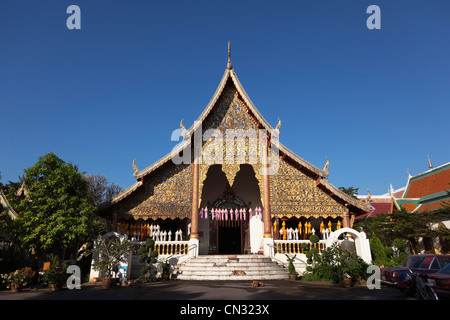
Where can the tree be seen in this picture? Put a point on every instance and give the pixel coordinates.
(59, 214)
(351, 191)
(148, 256)
(406, 225)
(100, 190)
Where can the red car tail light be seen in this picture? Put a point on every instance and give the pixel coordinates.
(443, 283)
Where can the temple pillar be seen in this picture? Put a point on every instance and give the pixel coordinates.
(267, 219)
(114, 219)
(195, 197)
(346, 220)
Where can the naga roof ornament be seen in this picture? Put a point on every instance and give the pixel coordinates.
(135, 168)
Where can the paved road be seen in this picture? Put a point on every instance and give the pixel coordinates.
(212, 290)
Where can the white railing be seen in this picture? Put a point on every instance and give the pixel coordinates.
(295, 246)
(169, 247)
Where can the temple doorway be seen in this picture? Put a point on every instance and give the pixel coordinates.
(228, 236)
(231, 236)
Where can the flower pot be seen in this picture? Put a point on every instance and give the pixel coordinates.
(16, 288)
(165, 277)
(345, 282)
(107, 283)
(56, 286)
(292, 276)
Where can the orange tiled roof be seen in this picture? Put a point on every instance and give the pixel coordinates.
(429, 184)
(431, 206)
(409, 206)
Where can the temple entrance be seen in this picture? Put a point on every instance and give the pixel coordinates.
(228, 235)
(229, 238)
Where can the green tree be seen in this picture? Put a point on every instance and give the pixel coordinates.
(148, 256)
(406, 225)
(351, 191)
(99, 188)
(59, 214)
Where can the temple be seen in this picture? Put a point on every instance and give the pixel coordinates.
(229, 171)
(212, 184)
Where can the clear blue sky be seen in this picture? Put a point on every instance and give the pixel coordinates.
(375, 102)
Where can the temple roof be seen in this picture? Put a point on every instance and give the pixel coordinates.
(426, 191)
(429, 182)
(230, 75)
(6, 206)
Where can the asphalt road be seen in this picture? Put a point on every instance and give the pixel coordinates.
(213, 299)
(212, 290)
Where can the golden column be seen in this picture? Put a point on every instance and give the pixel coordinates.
(195, 194)
(267, 219)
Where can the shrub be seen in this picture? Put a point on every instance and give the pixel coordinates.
(379, 253)
(148, 256)
(336, 263)
(314, 238)
(291, 266)
(19, 277)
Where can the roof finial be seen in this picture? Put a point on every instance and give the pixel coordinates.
(429, 162)
(135, 168)
(325, 168)
(229, 66)
(278, 125)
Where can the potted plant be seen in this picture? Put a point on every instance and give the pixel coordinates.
(16, 280)
(165, 271)
(148, 256)
(291, 267)
(349, 267)
(112, 252)
(56, 274)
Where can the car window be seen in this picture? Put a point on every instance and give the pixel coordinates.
(435, 265)
(445, 270)
(413, 262)
(443, 261)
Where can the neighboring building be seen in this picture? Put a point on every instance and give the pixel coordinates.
(425, 192)
(384, 203)
(6, 207)
(4, 203)
(175, 196)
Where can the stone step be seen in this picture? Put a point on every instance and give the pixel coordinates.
(239, 259)
(232, 267)
(221, 267)
(232, 277)
(229, 263)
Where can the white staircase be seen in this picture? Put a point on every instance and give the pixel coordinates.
(230, 267)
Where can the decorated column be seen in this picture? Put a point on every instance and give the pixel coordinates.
(267, 237)
(195, 188)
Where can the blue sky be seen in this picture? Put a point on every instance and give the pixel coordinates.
(375, 102)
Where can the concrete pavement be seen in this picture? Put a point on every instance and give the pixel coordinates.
(212, 290)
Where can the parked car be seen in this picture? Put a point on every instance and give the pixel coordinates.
(421, 263)
(441, 282)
